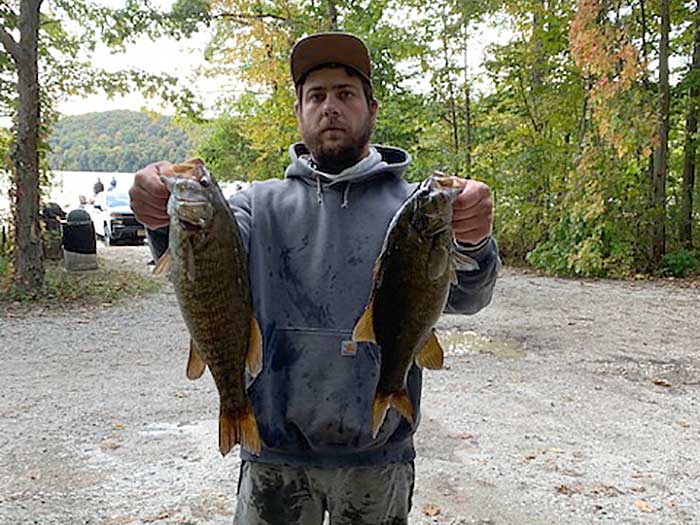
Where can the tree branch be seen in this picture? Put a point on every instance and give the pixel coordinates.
(10, 45)
(243, 17)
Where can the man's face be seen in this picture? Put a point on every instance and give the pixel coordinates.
(335, 119)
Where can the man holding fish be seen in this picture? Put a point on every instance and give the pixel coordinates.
(349, 268)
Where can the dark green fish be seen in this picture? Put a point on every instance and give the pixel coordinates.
(209, 271)
(412, 279)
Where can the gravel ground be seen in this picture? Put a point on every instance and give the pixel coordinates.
(571, 402)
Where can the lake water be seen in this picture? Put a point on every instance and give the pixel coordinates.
(67, 186)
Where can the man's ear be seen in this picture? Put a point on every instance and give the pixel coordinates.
(373, 109)
(297, 108)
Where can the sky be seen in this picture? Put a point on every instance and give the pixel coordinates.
(166, 55)
(182, 58)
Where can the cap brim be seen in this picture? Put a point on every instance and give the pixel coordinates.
(329, 48)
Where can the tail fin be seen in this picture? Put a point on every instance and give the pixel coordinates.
(379, 410)
(401, 402)
(382, 402)
(241, 428)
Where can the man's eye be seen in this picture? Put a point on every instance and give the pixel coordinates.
(316, 97)
(346, 94)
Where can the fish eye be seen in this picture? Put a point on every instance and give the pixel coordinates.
(204, 183)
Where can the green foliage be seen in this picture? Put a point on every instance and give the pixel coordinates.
(681, 263)
(116, 141)
(225, 150)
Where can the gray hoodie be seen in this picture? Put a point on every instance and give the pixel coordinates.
(312, 241)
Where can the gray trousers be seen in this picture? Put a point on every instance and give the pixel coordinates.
(283, 495)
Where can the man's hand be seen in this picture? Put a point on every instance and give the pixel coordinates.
(472, 218)
(149, 196)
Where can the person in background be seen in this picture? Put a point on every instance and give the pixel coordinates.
(112, 183)
(312, 241)
(98, 187)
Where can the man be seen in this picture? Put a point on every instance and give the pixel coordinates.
(98, 187)
(312, 241)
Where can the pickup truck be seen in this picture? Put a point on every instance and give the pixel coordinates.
(113, 219)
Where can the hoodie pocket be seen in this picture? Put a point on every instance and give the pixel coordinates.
(329, 386)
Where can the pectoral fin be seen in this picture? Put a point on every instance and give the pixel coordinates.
(431, 356)
(464, 262)
(195, 363)
(253, 359)
(163, 263)
(439, 262)
(364, 329)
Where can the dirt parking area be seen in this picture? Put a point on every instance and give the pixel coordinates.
(563, 402)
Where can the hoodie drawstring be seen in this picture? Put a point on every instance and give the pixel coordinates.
(345, 195)
(319, 189)
(319, 192)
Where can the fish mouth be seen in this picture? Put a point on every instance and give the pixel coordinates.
(191, 227)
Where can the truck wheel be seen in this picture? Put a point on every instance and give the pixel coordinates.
(107, 237)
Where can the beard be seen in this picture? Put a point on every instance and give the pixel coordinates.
(334, 158)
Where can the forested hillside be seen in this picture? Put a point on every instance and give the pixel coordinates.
(115, 141)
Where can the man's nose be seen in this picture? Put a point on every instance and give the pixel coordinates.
(330, 106)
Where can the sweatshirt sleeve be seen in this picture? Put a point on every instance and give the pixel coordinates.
(240, 203)
(474, 288)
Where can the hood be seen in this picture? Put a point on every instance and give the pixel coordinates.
(390, 161)
(122, 209)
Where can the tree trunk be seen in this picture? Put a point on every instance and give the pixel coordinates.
(450, 89)
(28, 265)
(332, 15)
(467, 107)
(685, 228)
(658, 183)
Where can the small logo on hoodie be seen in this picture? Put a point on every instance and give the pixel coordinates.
(348, 348)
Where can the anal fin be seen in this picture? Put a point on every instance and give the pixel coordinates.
(195, 363)
(431, 356)
(253, 359)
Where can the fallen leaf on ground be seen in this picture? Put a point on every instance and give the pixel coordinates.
(119, 426)
(466, 435)
(108, 444)
(565, 489)
(431, 510)
(661, 382)
(606, 490)
(643, 506)
(161, 516)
